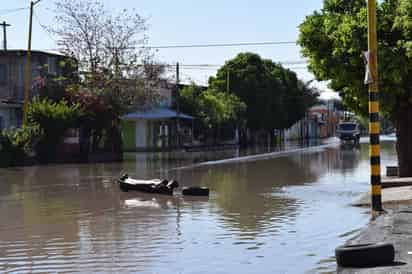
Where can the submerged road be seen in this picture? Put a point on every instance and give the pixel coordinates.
(283, 212)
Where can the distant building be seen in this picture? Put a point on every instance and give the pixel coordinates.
(320, 121)
(12, 77)
(159, 128)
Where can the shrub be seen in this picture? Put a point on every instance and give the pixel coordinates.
(52, 119)
(17, 145)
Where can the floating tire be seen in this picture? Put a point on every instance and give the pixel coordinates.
(365, 255)
(195, 191)
(123, 188)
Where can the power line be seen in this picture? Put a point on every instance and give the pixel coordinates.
(214, 69)
(224, 45)
(9, 11)
(217, 45)
(211, 45)
(13, 9)
(288, 63)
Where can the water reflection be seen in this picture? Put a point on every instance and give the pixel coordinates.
(247, 194)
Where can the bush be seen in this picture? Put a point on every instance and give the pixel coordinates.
(52, 119)
(16, 145)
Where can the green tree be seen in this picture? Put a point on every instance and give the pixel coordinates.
(274, 96)
(212, 108)
(334, 39)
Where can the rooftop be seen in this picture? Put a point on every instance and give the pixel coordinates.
(24, 52)
(155, 114)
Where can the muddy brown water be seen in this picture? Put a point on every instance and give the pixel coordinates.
(285, 214)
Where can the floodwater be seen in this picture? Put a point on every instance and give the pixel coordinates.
(283, 213)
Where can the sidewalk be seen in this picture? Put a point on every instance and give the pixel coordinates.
(393, 227)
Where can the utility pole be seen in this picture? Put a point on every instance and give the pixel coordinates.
(27, 73)
(5, 25)
(372, 80)
(228, 81)
(177, 104)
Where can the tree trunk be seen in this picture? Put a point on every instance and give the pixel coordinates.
(403, 121)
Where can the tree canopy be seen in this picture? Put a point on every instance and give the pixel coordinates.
(274, 96)
(211, 107)
(110, 51)
(334, 40)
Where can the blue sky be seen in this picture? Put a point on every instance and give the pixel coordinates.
(192, 22)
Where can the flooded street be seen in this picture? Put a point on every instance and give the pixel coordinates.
(280, 214)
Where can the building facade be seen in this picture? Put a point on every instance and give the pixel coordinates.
(12, 80)
(159, 128)
(320, 121)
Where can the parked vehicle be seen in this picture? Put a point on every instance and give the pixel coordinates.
(348, 131)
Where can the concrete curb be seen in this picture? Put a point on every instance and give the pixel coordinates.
(393, 195)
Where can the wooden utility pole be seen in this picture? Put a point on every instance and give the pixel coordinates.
(372, 80)
(5, 25)
(177, 104)
(27, 72)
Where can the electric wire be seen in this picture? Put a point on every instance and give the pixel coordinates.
(10, 11)
(223, 45)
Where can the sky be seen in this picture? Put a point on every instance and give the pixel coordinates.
(183, 22)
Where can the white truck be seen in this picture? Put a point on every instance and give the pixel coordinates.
(348, 131)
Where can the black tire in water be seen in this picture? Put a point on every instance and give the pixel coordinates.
(365, 255)
(195, 191)
(124, 189)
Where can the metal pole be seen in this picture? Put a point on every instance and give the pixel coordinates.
(5, 25)
(28, 69)
(374, 126)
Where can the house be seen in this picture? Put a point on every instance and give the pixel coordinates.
(159, 128)
(306, 128)
(12, 79)
(320, 121)
(154, 129)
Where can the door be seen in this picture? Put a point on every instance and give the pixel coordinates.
(141, 134)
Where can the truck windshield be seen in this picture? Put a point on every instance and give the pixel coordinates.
(347, 126)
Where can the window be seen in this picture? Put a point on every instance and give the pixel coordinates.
(3, 74)
(347, 126)
(1, 123)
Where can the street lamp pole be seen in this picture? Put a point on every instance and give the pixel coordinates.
(374, 126)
